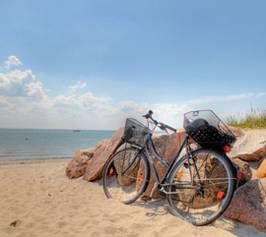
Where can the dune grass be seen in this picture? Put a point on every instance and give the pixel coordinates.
(253, 119)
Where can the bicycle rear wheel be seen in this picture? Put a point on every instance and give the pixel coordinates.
(201, 190)
(126, 175)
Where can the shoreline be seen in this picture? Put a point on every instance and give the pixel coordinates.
(35, 161)
(44, 159)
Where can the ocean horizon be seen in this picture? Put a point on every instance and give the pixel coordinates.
(32, 143)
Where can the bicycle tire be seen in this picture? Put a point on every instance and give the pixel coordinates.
(109, 185)
(225, 201)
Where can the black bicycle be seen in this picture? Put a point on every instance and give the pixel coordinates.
(198, 185)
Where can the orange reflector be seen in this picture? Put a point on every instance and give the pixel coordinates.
(220, 195)
(227, 148)
(111, 171)
(180, 173)
(239, 175)
(140, 177)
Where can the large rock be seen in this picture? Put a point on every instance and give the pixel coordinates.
(258, 155)
(254, 156)
(245, 170)
(102, 152)
(249, 204)
(167, 146)
(261, 171)
(78, 165)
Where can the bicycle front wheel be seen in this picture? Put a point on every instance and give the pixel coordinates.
(126, 175)
(201, 188)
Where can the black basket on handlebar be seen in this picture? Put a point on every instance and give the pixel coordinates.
(135, 132)
(207, 129)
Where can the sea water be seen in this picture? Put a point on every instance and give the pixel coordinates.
(18, 144)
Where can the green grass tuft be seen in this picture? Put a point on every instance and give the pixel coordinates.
(254, 119)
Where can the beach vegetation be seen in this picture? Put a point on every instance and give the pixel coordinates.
(255, 118)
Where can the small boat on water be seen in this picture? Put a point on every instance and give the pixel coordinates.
(76, 130)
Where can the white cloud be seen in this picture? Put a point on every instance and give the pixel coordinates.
(13, 83)
(35, 89)
(84, 101)
(20, 89)
(79, 85)
(12, 61)
(24, 101)
(3, 102)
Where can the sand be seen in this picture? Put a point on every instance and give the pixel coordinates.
(45, 203)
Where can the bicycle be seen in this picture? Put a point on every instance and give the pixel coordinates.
(198, 186)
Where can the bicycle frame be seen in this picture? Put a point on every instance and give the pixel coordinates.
(168, 165)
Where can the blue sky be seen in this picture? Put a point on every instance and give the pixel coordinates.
(127, 56)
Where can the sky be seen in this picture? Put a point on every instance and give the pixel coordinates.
(90, 64)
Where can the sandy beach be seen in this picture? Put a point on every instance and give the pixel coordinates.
(39, 200)
(150, 96)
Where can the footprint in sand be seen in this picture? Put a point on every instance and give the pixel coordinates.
(15, 223)
(150, 214)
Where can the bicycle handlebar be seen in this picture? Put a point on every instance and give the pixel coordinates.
(162, 126)
(165, 126)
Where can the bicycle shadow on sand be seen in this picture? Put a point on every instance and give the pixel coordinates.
(154, 207)
(159, 207)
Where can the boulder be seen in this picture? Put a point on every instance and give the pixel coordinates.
(167, 146)
(258, 155)
(245, 170)
(254, 156)
(249, 204)
(77, 166)
(261, 171)
(102, 152)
